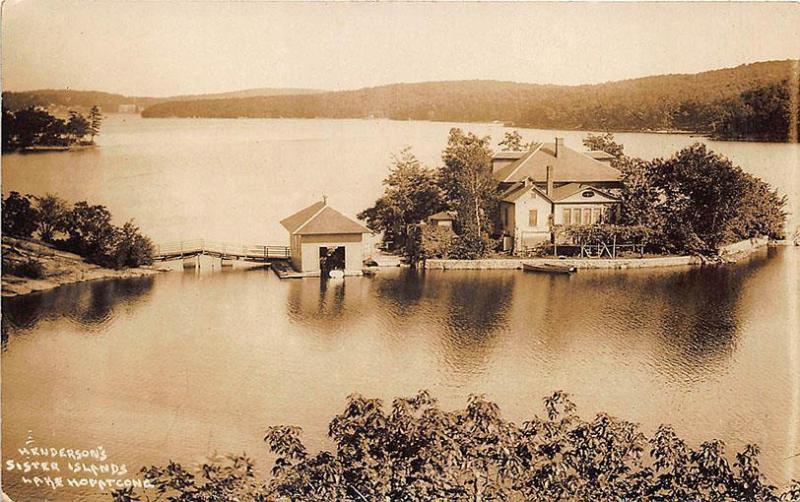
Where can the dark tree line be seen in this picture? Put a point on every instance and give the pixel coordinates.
(80, 228)
(413, 450)
(36, 127)
(705, 102)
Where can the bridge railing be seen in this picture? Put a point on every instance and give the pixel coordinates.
(202, 246)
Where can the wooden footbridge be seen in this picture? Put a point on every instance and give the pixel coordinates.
(226, 251)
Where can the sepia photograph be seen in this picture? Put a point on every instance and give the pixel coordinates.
(344, 251)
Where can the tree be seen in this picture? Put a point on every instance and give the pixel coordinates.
(512, 141)
(95, 121)
(706, 201)
(605, 143)
(77, 126)
(8, 130)
(413, 450)
(466, 179)
(91, 233)
(20, 217)
(132, 248)
(410, 195)
(53, 213)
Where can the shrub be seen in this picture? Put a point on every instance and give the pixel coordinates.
(28, 268)
(20, 217)
(416, 451)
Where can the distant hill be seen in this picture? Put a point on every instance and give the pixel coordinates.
(57, 99)
(666, 102)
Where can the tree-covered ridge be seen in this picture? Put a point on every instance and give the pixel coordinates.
(67, 98)
(699, 102)
(413, 450)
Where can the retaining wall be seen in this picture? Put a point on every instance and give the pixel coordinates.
(733, 251)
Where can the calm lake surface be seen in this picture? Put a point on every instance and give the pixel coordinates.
(187, 363)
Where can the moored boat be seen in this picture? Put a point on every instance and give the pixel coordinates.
(549, 268)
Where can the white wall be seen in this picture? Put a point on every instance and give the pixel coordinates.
(353, 252)
(526, 234)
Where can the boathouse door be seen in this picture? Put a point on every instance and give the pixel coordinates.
(331, 258)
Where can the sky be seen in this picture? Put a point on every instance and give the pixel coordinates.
(162, 48)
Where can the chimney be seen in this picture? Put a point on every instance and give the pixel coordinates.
(550, 179)
(559, 147)
(324, 200)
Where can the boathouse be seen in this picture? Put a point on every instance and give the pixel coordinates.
(323, 238)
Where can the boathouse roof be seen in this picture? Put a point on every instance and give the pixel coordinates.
(568, 166)
(319, 218)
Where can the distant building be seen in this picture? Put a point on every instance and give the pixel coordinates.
(322, 237)
(442, 219)
(552, 184)
(127, 108)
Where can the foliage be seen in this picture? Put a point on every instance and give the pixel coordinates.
(77, 126)
(512, 142)
(88, 228)
(667, 102)
(35, 127)
(703, 196)
(411, 194)
(52, 217)
(132, 248)
(694, 201)
(95, 121)
(430, 241)
(608, 233)
(413, 450)
(606, 143)
(20, 217)
(28, 268)
(762, 113)
(466, 180)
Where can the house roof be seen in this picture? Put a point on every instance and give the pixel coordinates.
(319, 218)
(569, 166)
(508, 155)
(560, 193)
(443, 216)
(518, 190)
(571, 189)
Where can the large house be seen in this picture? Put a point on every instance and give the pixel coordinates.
(552, 184)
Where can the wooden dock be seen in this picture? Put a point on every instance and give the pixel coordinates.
(224, 250)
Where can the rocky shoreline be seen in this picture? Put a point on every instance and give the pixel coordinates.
(58, 267)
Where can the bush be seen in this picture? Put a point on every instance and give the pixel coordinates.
(28, 268)
(416, 451)
(20, 217)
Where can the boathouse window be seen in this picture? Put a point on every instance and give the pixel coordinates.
(576, 216)
(533, 218)
(567, 219)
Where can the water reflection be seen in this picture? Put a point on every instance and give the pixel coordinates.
(92, 305)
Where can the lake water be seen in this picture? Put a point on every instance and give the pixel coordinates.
(186, 363)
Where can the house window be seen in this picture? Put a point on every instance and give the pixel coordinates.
(596, 215)
(587, 216)
(567, 219)
(533, 218)
(504, 216)
(576, 216)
